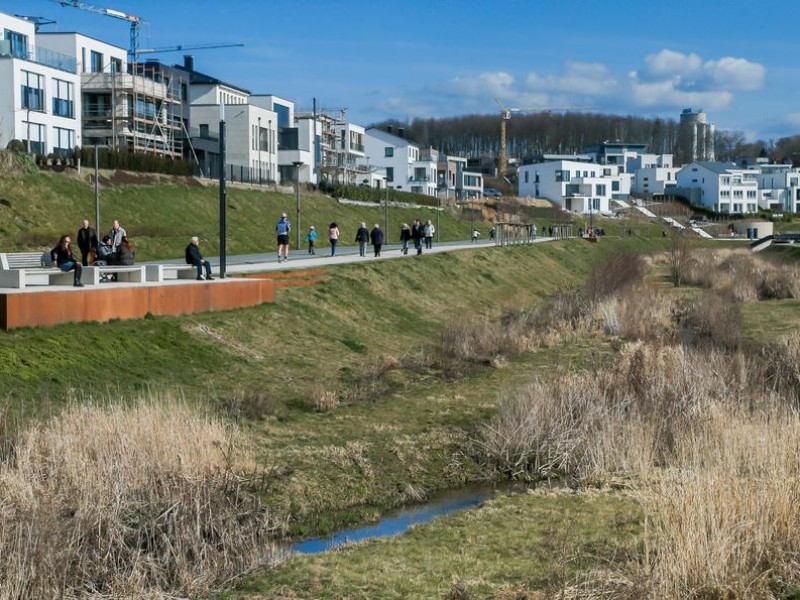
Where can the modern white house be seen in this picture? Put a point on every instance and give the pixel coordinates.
(778, 187)
(576, 186)
(40, 102)
(652, 174)
(402, 161)
(722, 187)
(455, 182)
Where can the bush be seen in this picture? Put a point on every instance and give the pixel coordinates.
(616, 273)
(16, 146)
(135, 161)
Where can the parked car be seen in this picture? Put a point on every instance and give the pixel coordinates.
(491, 193)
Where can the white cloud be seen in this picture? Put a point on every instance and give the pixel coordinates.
(587, 79)
(690, 72)
(665, 94)
(489, 85)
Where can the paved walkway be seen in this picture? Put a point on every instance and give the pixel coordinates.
(300, 259)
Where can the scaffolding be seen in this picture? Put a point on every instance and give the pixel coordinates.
(137, 112)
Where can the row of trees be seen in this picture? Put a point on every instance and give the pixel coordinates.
(530, 135)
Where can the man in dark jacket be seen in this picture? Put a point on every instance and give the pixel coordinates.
(417, 233)
(362, 238)
(193, 257)
(87, 241)
(377, 239)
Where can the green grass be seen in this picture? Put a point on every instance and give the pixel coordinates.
(35, 210)
(520, 542)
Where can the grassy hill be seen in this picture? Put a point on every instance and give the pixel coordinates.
(35, 210)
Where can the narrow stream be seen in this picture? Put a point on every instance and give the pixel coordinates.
(399, 521)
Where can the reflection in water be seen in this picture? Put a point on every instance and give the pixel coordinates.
(397, 522)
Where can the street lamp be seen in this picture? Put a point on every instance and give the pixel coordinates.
(386, 209)
(259, 150)
(297, 164)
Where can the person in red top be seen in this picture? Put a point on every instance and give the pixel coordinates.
(64, 259)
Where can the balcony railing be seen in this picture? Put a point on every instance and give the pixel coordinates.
(42, 56)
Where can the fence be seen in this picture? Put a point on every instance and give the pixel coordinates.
(510, 234)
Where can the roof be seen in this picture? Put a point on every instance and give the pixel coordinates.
(389, 138)
(718, 167)
(197, 78)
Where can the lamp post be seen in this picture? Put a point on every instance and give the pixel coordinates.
(386, 208)
(96, 192)
(223, 226)
(28, 141)
(259, 150)
(297, 164)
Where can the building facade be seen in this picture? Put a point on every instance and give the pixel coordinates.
(41, 100)
(722, 187)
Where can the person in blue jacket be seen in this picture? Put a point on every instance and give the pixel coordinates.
(376, 235)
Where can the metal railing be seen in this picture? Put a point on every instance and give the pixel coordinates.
(42, 56)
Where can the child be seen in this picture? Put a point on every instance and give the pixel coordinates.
(475, 234)
(310, 238)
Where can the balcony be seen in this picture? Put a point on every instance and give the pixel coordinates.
(357, 147)
(41, 56)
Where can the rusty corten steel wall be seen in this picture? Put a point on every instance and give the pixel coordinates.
(134, 302)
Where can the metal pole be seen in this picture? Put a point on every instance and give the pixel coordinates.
(438, 212)
(297, 164)
(223, 226)
(96, 193)
(386, 210)
(28, 149)
(259, 150)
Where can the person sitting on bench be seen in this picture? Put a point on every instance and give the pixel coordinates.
(105, 255)
(62, 256)
(193, 257)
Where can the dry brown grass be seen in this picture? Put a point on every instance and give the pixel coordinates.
(135, 501)
(743, 276)
(709, 441)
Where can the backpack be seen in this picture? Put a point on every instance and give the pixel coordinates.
(283, 227)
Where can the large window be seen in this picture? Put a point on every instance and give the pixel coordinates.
(32, 91)
(63, 99)
(36, 136)
(19, 43)
(96, 61)
(389, 173)
(388, 151)
(65, 141)
(116, 65)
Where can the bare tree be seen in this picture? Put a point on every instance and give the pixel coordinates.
(678, 256)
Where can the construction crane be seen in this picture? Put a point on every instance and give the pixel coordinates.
(186, 48)
(505, 116)
(38, 22)
(133, 51)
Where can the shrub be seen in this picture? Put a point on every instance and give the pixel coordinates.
(713, 319)
(616, 273)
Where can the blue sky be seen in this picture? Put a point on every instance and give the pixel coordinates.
(735, 59)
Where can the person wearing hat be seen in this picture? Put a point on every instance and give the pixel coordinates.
(311, 238)
(194, 257)
(282, 229)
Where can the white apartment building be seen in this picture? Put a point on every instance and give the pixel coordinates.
(778, 187)
(652, 174)
(576, 186)
(455, 182)
(40, 103)
(722, 187)
(407, 169)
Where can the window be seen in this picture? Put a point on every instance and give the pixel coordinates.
(116, 65)
(204, 130)
(737, 193)
(751, 194)
(562, 175)
(725, 194)
(37, 137)
(32, 91)
(615, 186)
(526, 176)
(64, 99)
(389, 152)
(600, 189)
(18, 42)
(606, 172)
(96, 61)
(65, 141)
(389, 173)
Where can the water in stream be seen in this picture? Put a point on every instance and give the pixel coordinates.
(399, 521)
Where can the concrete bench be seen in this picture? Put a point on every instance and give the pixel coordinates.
(160, 272)
(20, 269)
(128, 273)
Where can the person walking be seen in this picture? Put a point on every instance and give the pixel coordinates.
(62, 256)
(311, 238)
(194, 257)
(429, 230)
(333, 236)
(377, 239)
(87, 242)
(282, 229)
(405, 237)
(116, 234)
(362, 237)
(475, 235)
(417, 233)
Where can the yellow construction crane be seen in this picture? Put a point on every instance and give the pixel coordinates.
(133, 51)
(505, 116)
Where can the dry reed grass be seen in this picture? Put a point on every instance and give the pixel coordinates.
(708, 439)
(134, 501)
